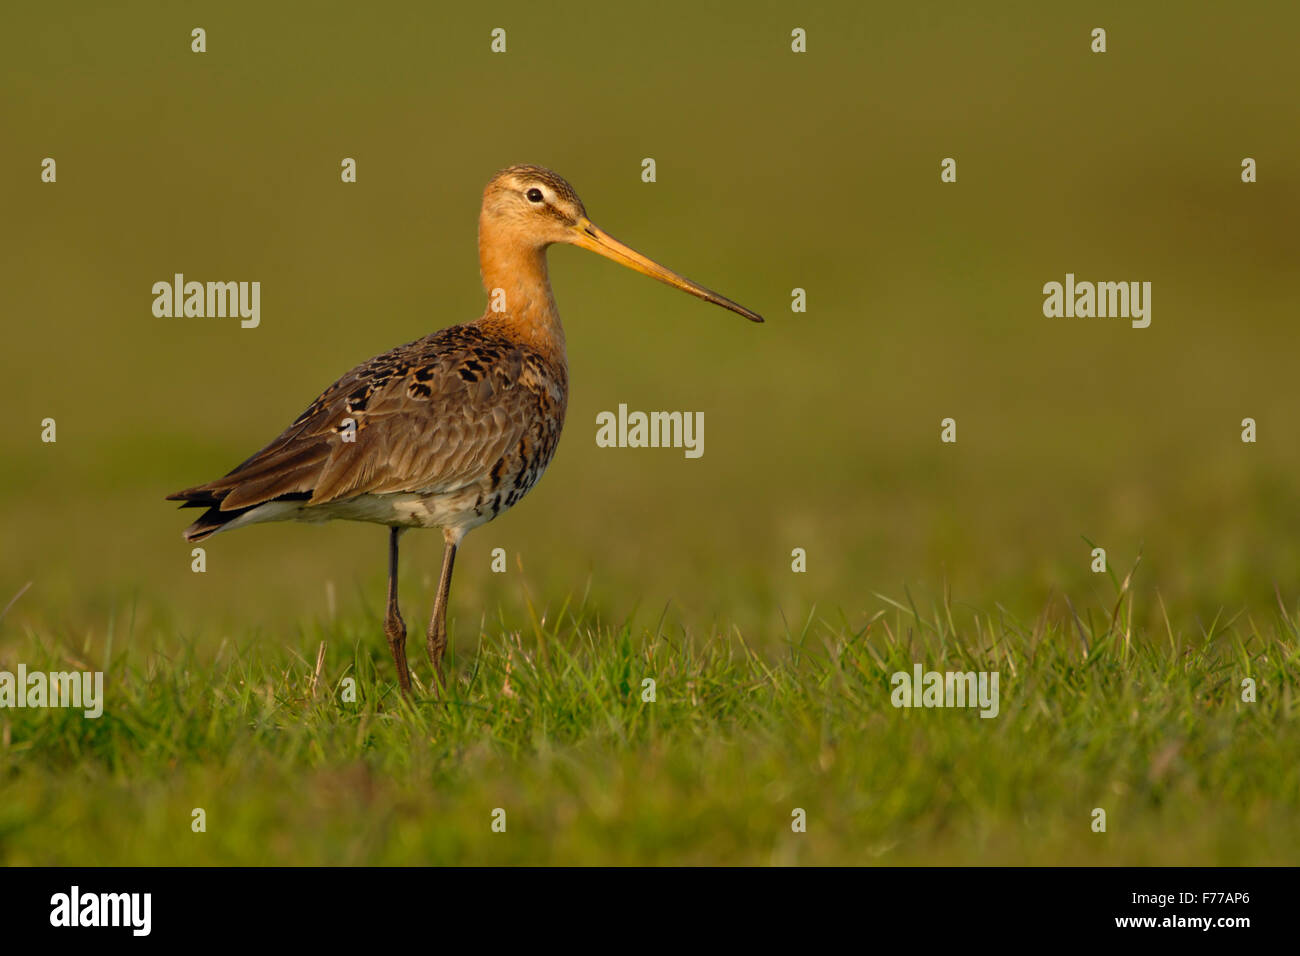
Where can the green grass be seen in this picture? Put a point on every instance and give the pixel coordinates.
(551, 727)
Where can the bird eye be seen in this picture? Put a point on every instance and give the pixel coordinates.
(534, 195)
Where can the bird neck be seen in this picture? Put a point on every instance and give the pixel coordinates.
(518, 288)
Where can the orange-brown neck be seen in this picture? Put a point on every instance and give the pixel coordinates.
(519, 290)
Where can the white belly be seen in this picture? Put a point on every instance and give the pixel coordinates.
(454, 509)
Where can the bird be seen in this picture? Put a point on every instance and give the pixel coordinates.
(448, 431)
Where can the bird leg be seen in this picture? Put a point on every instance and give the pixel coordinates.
(394, 626)
(437, 644)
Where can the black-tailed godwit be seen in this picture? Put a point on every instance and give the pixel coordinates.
(448, 431)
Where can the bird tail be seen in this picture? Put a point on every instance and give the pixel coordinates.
(213, 519)
(216, 518)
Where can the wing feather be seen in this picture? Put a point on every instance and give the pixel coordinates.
(431, 416)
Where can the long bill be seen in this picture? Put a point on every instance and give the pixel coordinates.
(592, 237)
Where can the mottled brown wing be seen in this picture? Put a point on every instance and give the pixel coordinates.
(431, 416)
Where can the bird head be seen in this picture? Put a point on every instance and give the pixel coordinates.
(532, 207)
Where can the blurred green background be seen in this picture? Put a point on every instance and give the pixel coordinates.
(775, 171)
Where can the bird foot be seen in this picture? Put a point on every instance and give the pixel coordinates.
(437, 646)
(395, 631)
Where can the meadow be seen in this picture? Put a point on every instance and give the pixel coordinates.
(1120, 689)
